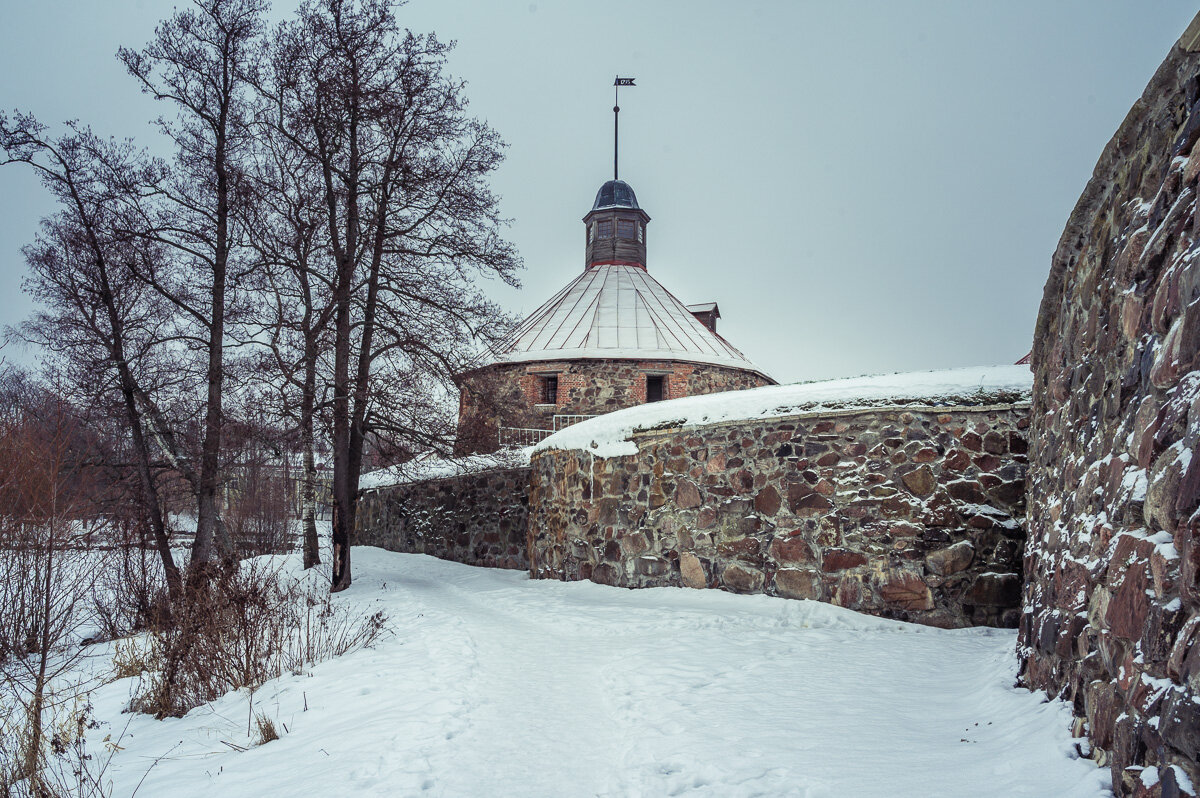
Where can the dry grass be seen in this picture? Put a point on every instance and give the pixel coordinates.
(131, 657)
(241, 630)
(266, 729)
(70, 769)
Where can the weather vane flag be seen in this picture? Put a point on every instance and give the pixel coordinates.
(617, 84)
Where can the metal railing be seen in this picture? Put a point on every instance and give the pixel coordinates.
(523, 436)
(564, 421)
(528, 436)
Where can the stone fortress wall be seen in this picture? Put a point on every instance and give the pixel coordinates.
(915, 513)
(911, 513)
(474, 518)
(907, 512)
(1112, 604)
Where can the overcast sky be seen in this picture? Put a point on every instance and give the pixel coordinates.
(863, 187)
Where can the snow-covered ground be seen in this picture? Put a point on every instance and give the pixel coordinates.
(495, 685)
(608, 435)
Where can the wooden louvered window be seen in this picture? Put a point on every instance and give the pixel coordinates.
(604, 229)
(625, 228)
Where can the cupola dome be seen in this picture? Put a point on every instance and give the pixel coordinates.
(615, 228)
(615, 194)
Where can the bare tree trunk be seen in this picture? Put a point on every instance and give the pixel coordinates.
(208, 524)
(345, 482)
(150, 499)
(308, 489)
(152, 506)
(37, 699)
(343, 487)
(362, 377)
(198, 60)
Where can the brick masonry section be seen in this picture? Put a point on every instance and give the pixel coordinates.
(477, 519)
(911, 513)
(1111, 616)
(509, 394)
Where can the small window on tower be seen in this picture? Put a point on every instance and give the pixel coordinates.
(640, 238)
(604, 229)
(625, 228)
(655, 387)
(550, 389)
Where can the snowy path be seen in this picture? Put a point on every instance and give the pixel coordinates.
(498, 686)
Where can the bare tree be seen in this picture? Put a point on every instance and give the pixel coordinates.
(258, 501)
(487, 401)
(44, 510)
(286, 231)
(409, 219)
(337, 172)
(96, 318)
(198, 61)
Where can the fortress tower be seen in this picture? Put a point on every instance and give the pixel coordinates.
(612, 338)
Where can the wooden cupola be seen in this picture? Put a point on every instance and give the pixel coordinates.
(615, 228)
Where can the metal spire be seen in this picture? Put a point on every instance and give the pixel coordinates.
(617, 84)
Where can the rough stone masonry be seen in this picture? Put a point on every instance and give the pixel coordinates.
(1111, 617)
(474, 518)
(912, 513)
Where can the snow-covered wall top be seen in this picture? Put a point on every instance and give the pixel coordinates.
(610, 435)
(914, 512)
(441, 468)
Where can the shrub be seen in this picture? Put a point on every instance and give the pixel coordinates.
(259, 514)
(245, 627)
(130, 589)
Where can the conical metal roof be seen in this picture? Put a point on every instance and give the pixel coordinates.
(617, 311)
